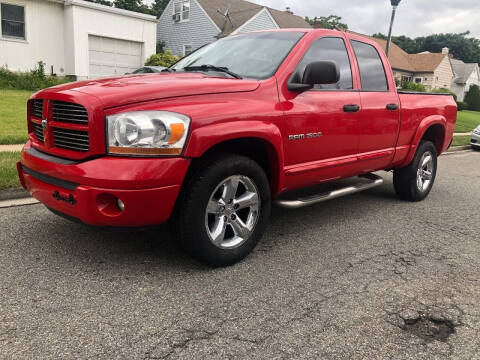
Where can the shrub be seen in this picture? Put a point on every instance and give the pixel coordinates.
(164, 59)
(410, 86)
(462, 105)
(473, 98)
(445, 91)
(31, 80)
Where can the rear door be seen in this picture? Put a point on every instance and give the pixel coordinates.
(380, 116)
(321, 125)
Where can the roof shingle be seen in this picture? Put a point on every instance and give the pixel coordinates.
(401, 60)
(241, 11)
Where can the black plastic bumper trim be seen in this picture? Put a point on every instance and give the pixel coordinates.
(51, 158)
(50, 179)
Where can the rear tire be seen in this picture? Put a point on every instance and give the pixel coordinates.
(224, 210)
(415, 181)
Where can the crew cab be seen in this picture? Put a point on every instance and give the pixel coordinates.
(211, 142)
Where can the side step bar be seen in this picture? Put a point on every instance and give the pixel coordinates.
(374, 181)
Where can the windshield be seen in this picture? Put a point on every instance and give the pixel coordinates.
(254, 55)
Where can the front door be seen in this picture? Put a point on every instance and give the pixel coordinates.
(321, 125)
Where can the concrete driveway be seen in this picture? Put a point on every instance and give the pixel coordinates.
(367, 276)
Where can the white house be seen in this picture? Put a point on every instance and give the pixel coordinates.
(74, 37)
(466, 75)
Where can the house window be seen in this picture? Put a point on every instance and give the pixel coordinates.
(181, 10)
(406, 78)
(13, 21)
(418, 80)
(187, 50)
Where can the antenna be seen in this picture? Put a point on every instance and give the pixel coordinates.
(227, 16)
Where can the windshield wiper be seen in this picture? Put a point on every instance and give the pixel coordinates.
(213, 68)
(168, 70)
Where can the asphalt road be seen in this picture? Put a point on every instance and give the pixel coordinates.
(366, 276)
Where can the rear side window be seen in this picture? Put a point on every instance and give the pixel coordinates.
(372, 73)
(332, 49)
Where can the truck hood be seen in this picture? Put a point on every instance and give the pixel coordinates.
(131, 89)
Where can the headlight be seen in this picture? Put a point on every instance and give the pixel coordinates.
(477, 130)
(147, 133)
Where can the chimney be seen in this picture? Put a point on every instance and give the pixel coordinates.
(445, 50)
(288, 10)
(317, 24)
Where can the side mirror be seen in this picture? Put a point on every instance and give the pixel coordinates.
(316, 73)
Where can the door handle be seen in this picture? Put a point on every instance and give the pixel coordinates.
(392, 107)
(351, 108)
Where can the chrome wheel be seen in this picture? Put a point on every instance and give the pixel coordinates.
(232, 212)
(425, 171)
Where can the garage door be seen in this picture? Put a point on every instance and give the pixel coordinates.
(109, 56)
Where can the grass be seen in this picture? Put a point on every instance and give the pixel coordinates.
(461, 140)
(8, 169)
(467, 120)
(13, 116)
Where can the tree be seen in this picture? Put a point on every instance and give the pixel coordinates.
(158, 6)
(328, 22)
(133, 5)
(462, 47)
(101, 2)
(473, 98)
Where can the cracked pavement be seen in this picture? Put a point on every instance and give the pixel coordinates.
(339, 280)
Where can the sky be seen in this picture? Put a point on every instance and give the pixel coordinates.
(414, 17)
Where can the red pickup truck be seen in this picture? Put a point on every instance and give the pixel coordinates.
(213, 140)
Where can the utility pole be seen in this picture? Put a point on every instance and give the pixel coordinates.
(394, 10)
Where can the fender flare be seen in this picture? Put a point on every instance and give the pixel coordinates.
(204, 138)
(422, 128)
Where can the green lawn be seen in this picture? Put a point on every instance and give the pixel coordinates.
(467, 121)
(461, 140)
(8, 169)
(13, 116)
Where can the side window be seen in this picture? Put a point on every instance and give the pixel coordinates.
(332, 49)
(372, 73)
(13, 21)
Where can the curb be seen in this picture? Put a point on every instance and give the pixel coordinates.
(14, 193)
(455, 149)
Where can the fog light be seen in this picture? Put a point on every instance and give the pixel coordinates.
(120, 204)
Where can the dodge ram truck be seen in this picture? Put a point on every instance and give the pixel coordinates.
(246, 121)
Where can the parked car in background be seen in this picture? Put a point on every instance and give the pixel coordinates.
(475, 141)
(216, 138)
(147, 70)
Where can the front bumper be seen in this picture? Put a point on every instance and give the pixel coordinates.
(475, 140)
(88, 191)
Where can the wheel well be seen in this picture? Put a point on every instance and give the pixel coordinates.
(435, 134)
(259, 150)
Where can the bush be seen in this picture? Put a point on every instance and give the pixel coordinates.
(31, 80)
(164, 59)
(410, 86)
(473, 98)
(462, 105)
(445, 91)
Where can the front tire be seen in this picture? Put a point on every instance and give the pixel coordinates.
(224, 210)
(415, 181)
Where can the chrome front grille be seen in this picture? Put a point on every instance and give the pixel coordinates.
(69, 112)
(38, 131)
(71, 139)
(37, 108)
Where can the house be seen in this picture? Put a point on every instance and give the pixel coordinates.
(74, 37)
(433, 70)
(186, 25)
(466, 75)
